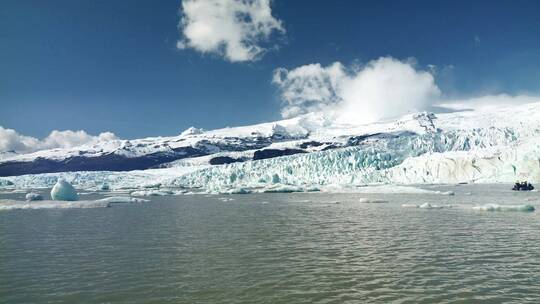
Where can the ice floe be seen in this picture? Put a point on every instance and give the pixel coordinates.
(372, 201)
(157, 192)
(426, 206)
(497, 207)
(10, 204)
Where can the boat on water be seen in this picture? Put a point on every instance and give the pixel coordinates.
(523, 186)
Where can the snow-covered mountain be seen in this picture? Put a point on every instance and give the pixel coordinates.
(472, 143)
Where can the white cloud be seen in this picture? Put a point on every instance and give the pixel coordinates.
(11, 140)
(383, 88)
(489, 101)
(234, 29)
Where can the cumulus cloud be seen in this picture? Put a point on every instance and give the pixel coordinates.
(11, 140)
(383, 88)
(234, 29)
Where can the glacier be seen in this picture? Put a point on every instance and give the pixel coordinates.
(465, 144)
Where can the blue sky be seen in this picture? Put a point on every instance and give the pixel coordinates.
(115, 66)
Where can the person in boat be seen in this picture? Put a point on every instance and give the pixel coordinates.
(523, 186)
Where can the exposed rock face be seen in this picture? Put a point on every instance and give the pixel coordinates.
(221, 160)
(270, 153)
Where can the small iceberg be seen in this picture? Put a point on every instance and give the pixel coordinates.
(497, 207)
(161, 192)
(371, 201)
(409, 206)
(279, 188)
(226, 199)
(449, 193)
(426, 206)
(239, 191)
(64, 191)
(122, 200)
(33, 197)
(430, 206)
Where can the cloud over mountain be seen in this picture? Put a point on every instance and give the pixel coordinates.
(383, 88)
(237, 30)
(11, 140)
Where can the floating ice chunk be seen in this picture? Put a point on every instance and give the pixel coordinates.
(14, 205)
(152, 186)
(239, 191)
(161, 192)
(371, 201)
(424, 206)
(104, 187)
(151, 193)
(430, 206)
(282, 189)
(57, 204)
(226, 199)
(497, 207)
(122, 200)
(449, 193)
(34, 197)
(64, 191)
(409, 206)
(376, 189)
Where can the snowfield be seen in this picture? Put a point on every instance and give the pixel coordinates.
(483, 144)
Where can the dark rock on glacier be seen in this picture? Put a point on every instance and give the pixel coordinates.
(270, 153)
(221, 160)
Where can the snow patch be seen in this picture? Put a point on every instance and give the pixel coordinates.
(191, 131)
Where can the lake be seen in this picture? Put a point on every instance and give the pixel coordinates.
(276, 248)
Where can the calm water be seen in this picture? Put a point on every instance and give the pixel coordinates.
(276, 248)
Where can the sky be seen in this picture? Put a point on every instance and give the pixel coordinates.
(140, 68)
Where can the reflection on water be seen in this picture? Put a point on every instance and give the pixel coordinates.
(276, 248)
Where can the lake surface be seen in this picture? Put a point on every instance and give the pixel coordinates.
(276, 248)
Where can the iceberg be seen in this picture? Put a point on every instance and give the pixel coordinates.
(33, 196)
(64, 191)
